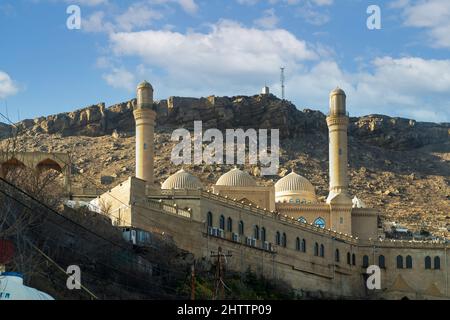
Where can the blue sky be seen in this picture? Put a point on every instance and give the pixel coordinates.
(204, 47)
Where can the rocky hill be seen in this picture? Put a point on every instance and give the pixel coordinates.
(399, 165)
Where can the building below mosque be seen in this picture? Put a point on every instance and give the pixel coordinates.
(281, 231)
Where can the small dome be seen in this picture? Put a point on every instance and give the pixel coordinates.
(358, 203)
(145, 84)
(294, 188)
(236, 178)
(182, 180)
(337, 91)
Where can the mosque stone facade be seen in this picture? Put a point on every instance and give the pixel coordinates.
(280, 231)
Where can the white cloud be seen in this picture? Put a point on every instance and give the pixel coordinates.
(432, 15)
(7, 86)
(189, 6)
(229, 49)
(233, 59)
(392, 86)
(269, 20)
(120, 78)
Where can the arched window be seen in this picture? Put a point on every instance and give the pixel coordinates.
(222, 222)
(263, 234)
(322, 251)
(303, 245)
(230, 225)
(316, 249)
(354, 259)
(437, 263)
(319, 222)
(298, 200)
(382, 262)
(284, 240)
(291, 201)
(278, 238)
(427, 262)
(409, 263)
(241, 227)
(399, 262)
(297, 244)
(210, 219)
(349, 258)
(256, 232)
(365, 263)
(302, 220)
(337, 257)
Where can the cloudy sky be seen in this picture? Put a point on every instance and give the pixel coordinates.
(204, 47)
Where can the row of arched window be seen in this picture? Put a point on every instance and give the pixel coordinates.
(319, 222)
(319, 250)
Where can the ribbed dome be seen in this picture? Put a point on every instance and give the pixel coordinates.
(182, 180)
(236, 178)
(294, 183)
(295, 189)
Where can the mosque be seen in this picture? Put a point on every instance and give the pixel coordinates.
(282, 231)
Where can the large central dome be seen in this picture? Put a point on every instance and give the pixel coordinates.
(182, 180)
(295, 189)
(236, 178)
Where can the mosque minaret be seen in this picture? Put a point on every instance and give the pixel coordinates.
(145, 116)
(338, 121)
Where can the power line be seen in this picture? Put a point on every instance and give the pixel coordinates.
(105, 265)
(219, 283)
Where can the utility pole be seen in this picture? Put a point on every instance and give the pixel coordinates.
(193, 282)
(218, 283)
(282, 78)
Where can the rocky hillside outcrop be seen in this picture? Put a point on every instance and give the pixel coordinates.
(259, 111)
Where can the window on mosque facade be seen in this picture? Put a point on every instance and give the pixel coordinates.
(365, 263)
(210, 219)
(399, 262)
(222, 222)
(409, 263)
(284, 240)
(437, 263)
(230, 225)
(320, 222)
(241, 227)
(382, 262)
(256, 232)
(428, 262)
(302, 220)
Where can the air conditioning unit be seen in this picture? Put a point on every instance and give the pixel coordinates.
(251, 242)
(266, 245)
(236, 237)
(133, 236)
(221, 233)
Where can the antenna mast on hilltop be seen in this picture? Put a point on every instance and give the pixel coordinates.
(282, 83)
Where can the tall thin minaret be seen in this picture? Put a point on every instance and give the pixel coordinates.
(338, 122)
(145, 116)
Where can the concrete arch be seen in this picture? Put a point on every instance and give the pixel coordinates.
(10, 164)
(38, 161)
